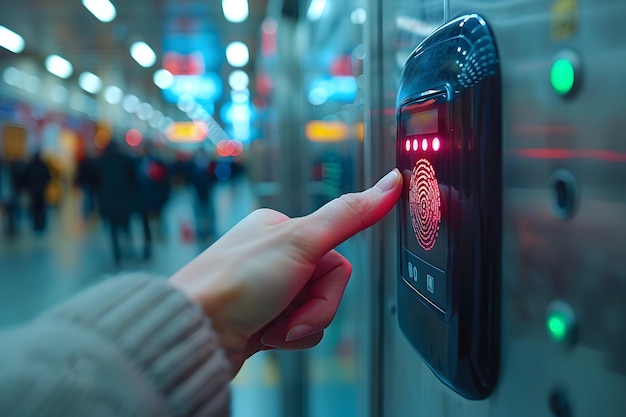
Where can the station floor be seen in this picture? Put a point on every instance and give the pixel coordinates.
(39, 271)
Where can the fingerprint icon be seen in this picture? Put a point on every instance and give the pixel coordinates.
(425, 204)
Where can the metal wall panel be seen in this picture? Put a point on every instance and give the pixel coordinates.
(548, 254)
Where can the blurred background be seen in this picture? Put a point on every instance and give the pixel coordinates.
(135, 133)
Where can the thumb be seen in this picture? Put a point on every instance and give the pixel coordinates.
(347, 215)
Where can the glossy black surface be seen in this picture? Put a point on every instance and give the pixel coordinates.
(453, 320)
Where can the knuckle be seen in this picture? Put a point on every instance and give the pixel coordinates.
(266, 215)
(354, 205)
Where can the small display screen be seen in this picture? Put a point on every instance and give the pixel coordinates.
(422, 122)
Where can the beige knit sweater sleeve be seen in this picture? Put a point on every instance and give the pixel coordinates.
(130, 346)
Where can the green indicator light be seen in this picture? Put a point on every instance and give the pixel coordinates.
(562, 76)
(558, 327)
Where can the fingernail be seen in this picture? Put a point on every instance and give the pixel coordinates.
(298, 332)
(387, 182)
(267, 341)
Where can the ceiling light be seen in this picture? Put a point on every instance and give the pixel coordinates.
(32, 84)
(166, 123)
(78, 101)
(113, 94)
(156, 119)
(90, 82)
(316, 9)
(102, 9)
(186, 103)
(143, 54)
(131, 103)
(59, 66)
(240, 97)
(145, 111)
(237, 54)
(59, 94)
(12, 76)
(197, 113)
(238, 80)
(163, 79)
(11, 40)
(235, 10)
(358, 16)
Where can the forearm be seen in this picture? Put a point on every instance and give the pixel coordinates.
(131, 346)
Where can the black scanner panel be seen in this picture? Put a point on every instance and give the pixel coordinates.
(448, 113)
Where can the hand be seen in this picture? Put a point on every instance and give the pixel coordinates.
(276, 282)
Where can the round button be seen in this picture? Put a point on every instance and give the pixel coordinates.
(565, 73)
(561, 322)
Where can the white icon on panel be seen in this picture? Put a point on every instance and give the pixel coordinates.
(412, 272)
(430, 283)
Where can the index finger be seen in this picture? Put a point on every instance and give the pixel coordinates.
(347, 215)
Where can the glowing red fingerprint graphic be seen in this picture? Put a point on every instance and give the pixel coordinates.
(425, 204)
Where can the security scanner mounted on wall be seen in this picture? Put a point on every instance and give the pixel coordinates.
(448, 112)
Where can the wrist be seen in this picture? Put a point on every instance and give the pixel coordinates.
(214, 305)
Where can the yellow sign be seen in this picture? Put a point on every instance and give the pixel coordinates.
(13, 142)
(564, 18)
(321, 131)
(187, 132)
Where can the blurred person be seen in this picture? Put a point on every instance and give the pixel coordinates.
(117, 192)
(153, 179)
(86, 180)
(36, 178)
(137, 345)
(200, 173)
(9, 195)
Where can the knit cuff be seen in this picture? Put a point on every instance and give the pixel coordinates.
(164, 334)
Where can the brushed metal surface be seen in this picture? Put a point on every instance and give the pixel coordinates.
(580, 260)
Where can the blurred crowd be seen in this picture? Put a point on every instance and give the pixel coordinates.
(117, 186)
(28, 179)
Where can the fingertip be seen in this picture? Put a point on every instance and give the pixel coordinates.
(389, 181)
(343, 217)
(304, 343)
(299, 331)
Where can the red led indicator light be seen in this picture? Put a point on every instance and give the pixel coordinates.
(436, 144)
(416, 144)
(425, 204)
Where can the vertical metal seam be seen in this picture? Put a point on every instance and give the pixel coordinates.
(372, 170)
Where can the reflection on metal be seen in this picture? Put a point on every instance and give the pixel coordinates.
(417, 27)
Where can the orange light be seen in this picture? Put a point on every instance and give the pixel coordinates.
(229, 148)
(319, 131)
(101, 139)
(181, 132)
(323, 131)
